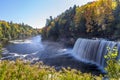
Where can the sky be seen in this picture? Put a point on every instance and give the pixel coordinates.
(35, 12)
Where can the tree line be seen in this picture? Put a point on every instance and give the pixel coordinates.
(10, 30)
(100, 18)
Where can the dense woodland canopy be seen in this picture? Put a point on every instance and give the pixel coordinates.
(100, 18)
(10, 30)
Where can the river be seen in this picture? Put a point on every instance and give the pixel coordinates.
(50, 53)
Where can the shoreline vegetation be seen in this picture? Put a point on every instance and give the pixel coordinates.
(10, 70)
(10, 31)
(22, 70)
(97, 19)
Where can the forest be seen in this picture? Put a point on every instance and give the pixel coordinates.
(98, 19)
(10, 30)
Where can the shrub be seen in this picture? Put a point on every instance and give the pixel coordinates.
(19, 70)
(113, 65)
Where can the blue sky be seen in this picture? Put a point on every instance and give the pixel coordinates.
(34, 12)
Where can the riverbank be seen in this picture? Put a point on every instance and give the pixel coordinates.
(50, 53)
(10, 70)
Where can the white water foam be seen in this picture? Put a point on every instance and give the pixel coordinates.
(35, 53)
(26, 57)
(62, 50)
(20, 41)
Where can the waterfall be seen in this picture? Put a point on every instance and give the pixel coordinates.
(93, 50)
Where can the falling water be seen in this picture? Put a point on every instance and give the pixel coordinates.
(93, 50)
